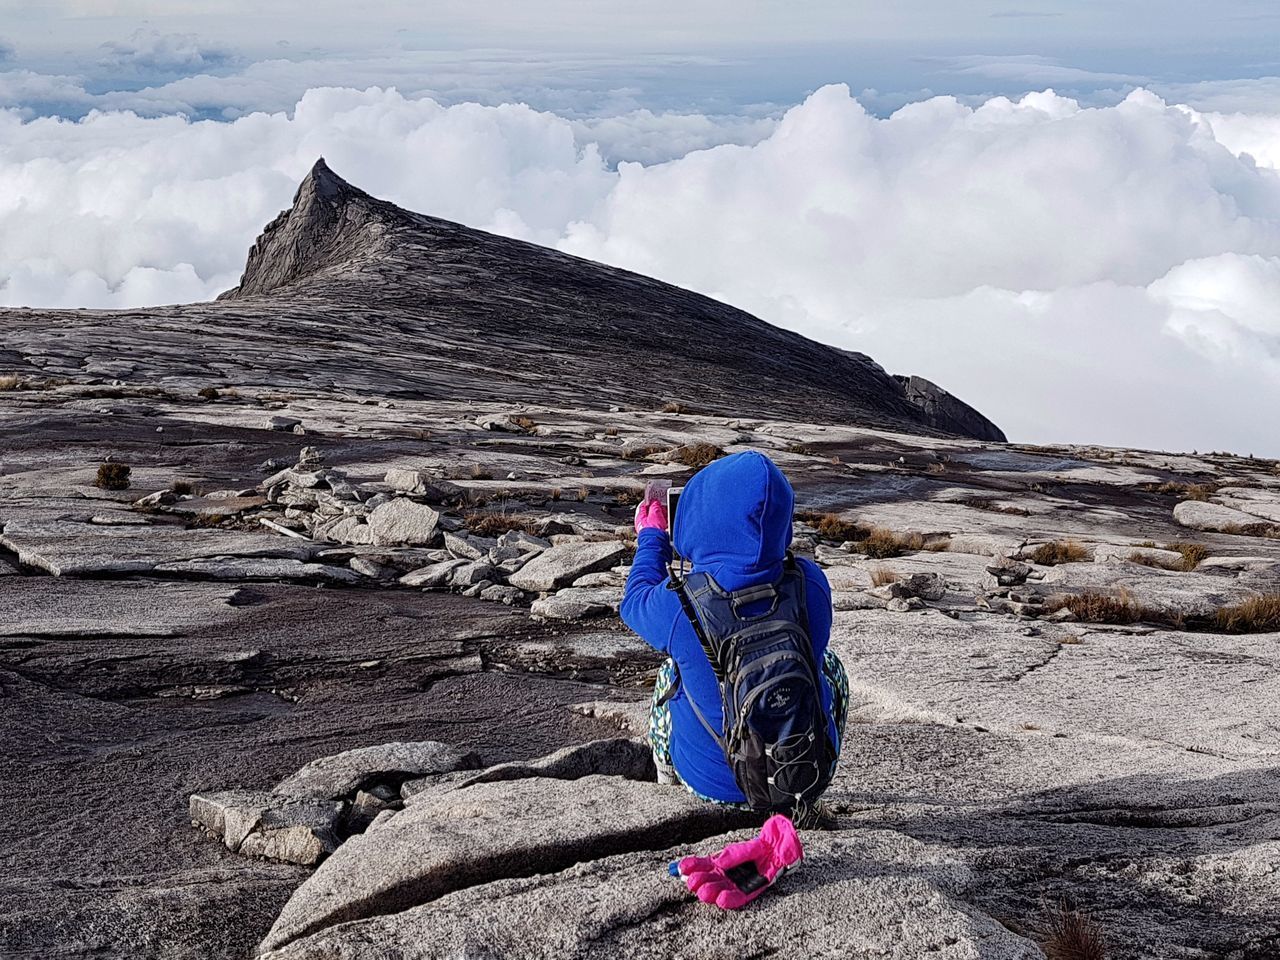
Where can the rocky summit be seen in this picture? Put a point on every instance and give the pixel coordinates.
(310, 644)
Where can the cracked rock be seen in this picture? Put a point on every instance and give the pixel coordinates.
(341, 774)
(260, 824)
(561, 565)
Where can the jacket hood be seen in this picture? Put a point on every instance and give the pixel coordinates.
(734, 520)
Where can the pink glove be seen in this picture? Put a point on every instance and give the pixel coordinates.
(742, 871)
(651, 514)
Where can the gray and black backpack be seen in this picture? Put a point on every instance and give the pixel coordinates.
(775, 738)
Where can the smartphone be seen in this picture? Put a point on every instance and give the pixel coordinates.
(673, 500)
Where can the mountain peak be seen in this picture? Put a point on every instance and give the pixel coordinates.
(331, 228)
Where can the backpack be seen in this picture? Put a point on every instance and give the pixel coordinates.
(776, 739)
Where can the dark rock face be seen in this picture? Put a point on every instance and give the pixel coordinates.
(947, 412)
(347, 293)
(331, 227)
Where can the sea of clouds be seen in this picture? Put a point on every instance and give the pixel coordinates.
(1105, 274)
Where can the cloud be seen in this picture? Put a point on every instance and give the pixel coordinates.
(6, 50)
(1085, 274)
(151, 52)
(1034, 70)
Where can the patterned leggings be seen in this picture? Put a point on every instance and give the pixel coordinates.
(660, 716)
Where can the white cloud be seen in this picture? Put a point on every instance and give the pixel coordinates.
(149, 51)
(1104, 275)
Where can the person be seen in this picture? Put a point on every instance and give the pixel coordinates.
(733, 522)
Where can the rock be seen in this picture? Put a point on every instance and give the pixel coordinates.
(603, 579)
(631, 717)
(468, 547)
(556, 607)
(947, 412)
(364, 809)
(473, 572)
(561, 565)
(890, 895)
(1174, 594)
(417, 483)
(926, 586)
(1212, 517)
(475, 589)
(464, 838)
(618, 757)
(434, 577)
(372, 569)
(904, 604)
(502, 593)
(261, 824)
(341, 774)
(403, 521)
(161, 498)
(349, 530)
(283, 423)
(258, 568)
(310, 457)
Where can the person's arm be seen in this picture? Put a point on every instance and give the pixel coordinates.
(648, 607)
(818, 592)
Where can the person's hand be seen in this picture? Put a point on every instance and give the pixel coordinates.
(742, 871)
(651, 515)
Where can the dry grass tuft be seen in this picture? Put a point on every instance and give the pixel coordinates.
(486, 523)
(10, 382)
(203, 520)
(1074, 935)
(478, 472)
(881, 576)
(1256, 615)
(881, 543)
(673, 406)
(803, 449)
(112, 476)
(1060, 551)
(831, 526)
(697, 455)
(992, 506)
(208, 393)
(182, 487)
(1192, 553)
(1183, 491)
(940, 545)
(1096, 606)
(524, 423)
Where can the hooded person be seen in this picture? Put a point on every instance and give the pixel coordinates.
(733, 523)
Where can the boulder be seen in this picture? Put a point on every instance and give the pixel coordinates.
(473, 572)
(433, 577)
(342, 774)
(418, 484)
(873, 893)
(348, 530)
(446, 842)
(260, 824)
(468, 546)
(1212, 517)
(502, 593)
(577, 603)
(284, 424)
(561, 565)
(401, 520)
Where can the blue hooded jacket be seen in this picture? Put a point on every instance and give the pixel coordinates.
(733, 522)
